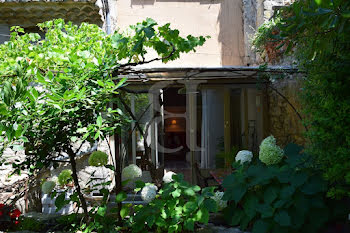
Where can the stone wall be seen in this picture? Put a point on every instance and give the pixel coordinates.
(284, 123)
(9, 184)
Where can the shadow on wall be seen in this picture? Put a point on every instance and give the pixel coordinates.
(230, 24)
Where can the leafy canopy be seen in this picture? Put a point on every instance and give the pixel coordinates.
(55, 90)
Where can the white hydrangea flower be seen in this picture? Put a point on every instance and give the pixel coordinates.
(149, 192)
(244, 156)
(168, 177)
(131, 172)
(48, 186)
(269, 152)
(218, 199)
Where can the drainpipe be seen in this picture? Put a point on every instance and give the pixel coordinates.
(108, 17)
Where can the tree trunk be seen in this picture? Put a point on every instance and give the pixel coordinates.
(117, 173)
(76, 183)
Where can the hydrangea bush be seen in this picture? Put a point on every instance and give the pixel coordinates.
(244, 156)
(131, 172)
(177, 208)
(98, 158)
(269, 152)
(65, 177)
(285, 197)
(168, 177)
(222, 204)
(149, 192)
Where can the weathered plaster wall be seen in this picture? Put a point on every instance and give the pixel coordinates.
(220, 19)
(284, 123)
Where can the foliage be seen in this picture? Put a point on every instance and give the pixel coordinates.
(265, 34)
(56, 91)
(48, 186)
(65, 177)
(269, 152)
(221, 204)
(98, 158)
(319, 32)
(30, 224)
(288, 197)
(266, 41)
(9, 217)
(177, 208)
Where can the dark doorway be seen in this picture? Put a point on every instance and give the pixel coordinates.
(175, 129)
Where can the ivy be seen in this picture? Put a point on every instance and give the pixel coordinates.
(319, 31)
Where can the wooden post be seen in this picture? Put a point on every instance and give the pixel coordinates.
(246, 126)
(192, 116)
(227, 120)
(133, 136)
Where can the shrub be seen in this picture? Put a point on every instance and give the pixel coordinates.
(30, 224)
(269, 152)
(222, 204)
(131, 172)
(318, 35)
(9, 217)
(244, 156)
(65, 177)
(98, 158)
(177, 208)
(149, 192)
(288, 197)
(168, 177)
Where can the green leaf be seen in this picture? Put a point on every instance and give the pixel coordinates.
(210, 205)
(17, 147)
(235, 193)
(97, 134)
(298, 179)
(190, 207)
(99, 121)
(260, 226)
(189, 224)
(3, 109)
(124, 211)
(314, 185)
(270, 194)
(120, 197)
(250, 205)
(202, 215)
(208, 191)
(282, 218)
(151, 220)
(60, 201)
(287, 192)
(101, 211)
(346, 14)
(176, 193)
(265, 210)
(236, 218)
